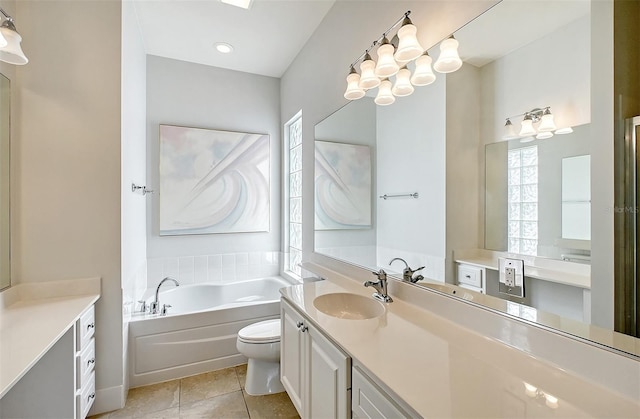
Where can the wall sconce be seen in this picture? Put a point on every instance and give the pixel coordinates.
(10, 39)
(528, 132)
(393, 59)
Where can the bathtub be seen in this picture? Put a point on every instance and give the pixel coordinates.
(199, 332)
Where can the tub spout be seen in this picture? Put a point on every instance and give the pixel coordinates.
(154, 308)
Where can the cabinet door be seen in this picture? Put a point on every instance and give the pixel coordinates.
(371, 402)
(329, 372)
(291, 355)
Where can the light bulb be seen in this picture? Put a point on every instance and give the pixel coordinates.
(423, 75)
(509, 131)
(530, 390)
(387, 65)
(551, 401)
(353, 91)
(449, 60)
(403, 85)
(368, 78)
(408, 47)
(384, 97)
(527, 128)
(546, 122)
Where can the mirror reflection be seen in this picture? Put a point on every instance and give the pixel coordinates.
(5, 236)
(537, 196)
(459, 195)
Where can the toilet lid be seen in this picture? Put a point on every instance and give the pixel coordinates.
(265, 331)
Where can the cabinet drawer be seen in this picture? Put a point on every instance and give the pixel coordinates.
(85, 399)
(86, 328)
(85, 363)
(470, 275)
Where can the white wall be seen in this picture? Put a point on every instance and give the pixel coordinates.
(411, 158)
(199, 96)
(134, 170)
(315, 81)
(67, 159)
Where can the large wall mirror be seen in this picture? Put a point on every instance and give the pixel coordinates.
(511, 66)
(5, 152)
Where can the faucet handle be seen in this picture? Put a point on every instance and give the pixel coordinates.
(143, 306)
(165, 308)
(381, 274)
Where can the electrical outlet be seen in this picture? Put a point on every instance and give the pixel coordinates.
(510, 277)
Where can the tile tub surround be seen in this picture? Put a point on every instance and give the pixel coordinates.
(213, 268)
(464, 371)
(215, 394)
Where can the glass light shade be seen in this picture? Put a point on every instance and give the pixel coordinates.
(544, 135)
(509, 131)
(408, 48)
(423, 75)
(527, 128)
(566, 130)
(368, 78)
(387, 65)
(546, 122)
(353, 91)
(403, 85)
(384, 97)
(12, 52)
(449, 60)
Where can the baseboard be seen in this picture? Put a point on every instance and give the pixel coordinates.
(108, 399)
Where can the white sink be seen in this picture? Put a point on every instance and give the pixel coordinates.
(348, 306)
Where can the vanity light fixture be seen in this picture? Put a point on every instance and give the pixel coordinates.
(393, 61)
(10, 50)
(540, 395)
(537, 124)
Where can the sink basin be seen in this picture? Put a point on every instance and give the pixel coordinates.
(348, 306)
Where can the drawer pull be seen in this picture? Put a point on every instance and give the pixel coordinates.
(299, 325)
(91, 396)
(91, 361)
(91, 326)
(468, 276)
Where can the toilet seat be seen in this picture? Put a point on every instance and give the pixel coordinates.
(267, 331)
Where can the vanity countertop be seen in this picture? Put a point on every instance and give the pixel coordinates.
(32, 320)
(442, 369)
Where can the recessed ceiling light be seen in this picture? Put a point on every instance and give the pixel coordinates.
(245, 4)
(224, 48)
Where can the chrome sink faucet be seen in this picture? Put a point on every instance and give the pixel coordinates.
(407, 272)
(380, 287)
(154, 307)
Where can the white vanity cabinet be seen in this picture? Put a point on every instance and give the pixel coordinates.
(61, 383)
(314, 371)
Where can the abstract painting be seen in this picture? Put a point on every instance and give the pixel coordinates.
(342, 186)
(213, 181)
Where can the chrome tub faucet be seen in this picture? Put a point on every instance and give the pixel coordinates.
(380, 287)
(407, 272)
(154, 307)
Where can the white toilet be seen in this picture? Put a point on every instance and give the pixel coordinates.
(260, 343)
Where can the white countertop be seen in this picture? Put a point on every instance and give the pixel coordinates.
(441, 369)
(29, 327)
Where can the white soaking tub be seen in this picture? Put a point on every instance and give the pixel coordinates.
(199, 332)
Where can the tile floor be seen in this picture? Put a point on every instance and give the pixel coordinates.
(216, 394)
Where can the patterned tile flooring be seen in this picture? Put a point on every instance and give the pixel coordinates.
(216, 394)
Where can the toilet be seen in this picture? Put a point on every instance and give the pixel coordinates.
(260, 343)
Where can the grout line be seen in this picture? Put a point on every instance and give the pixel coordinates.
(246, 406)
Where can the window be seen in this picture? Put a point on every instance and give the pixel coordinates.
(523, 200)
(293, 196)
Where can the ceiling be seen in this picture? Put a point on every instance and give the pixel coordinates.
(266, 38)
